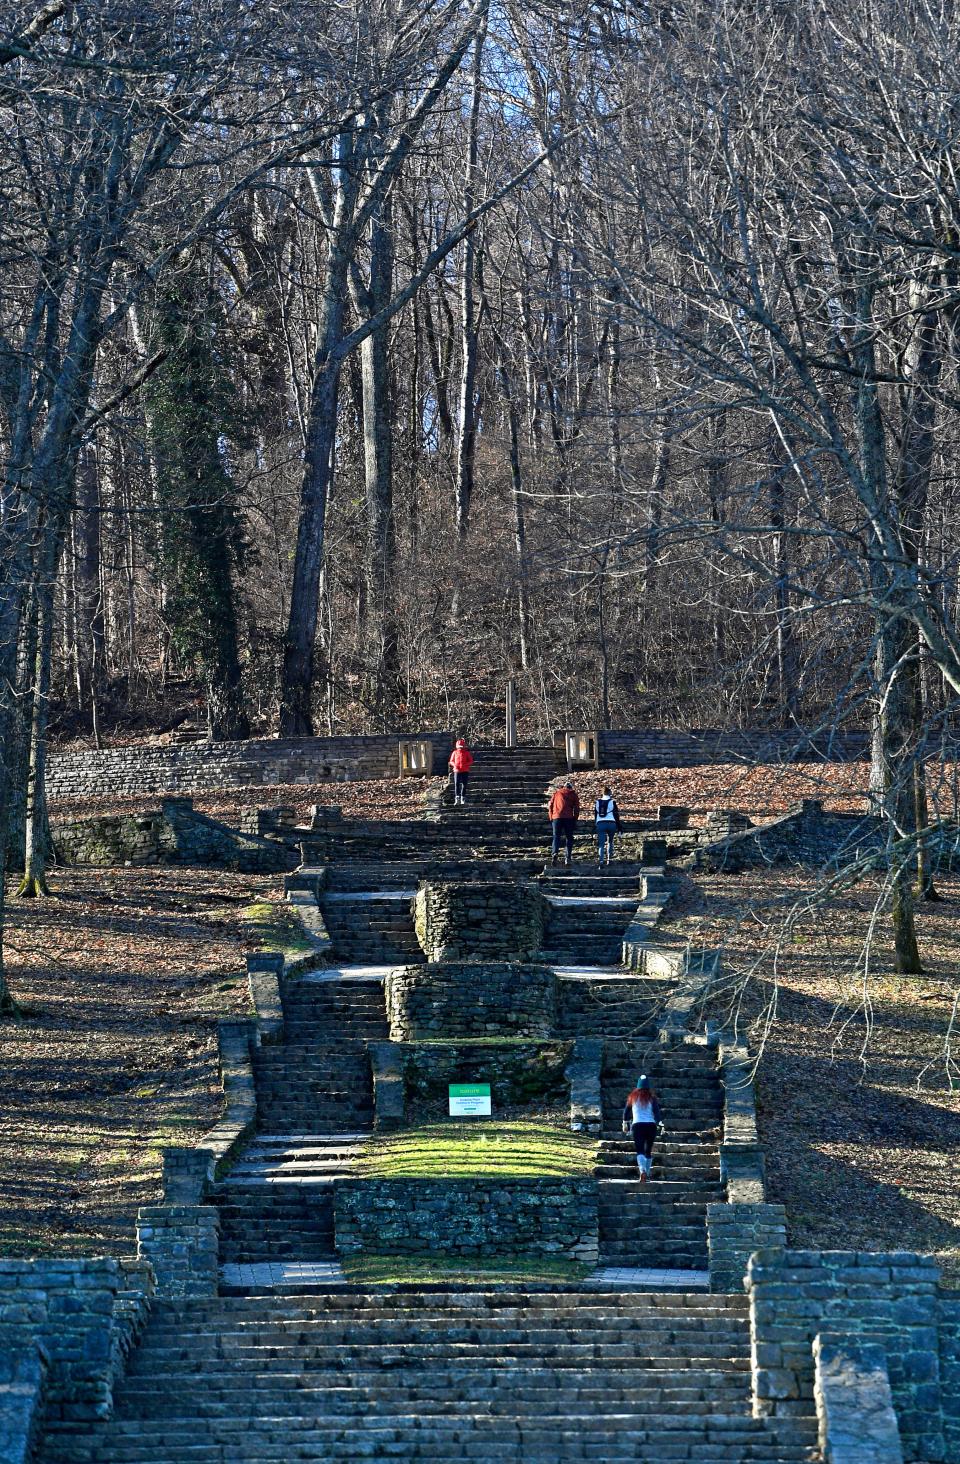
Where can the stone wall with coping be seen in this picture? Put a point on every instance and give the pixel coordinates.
(890, 1299)
(804, 835)
(214, 765)
(188, 1171)
(741, 1154)
(172, 834)
(471, 999)
(485, 920)
(181, 1242)
(856, 1421)
(467, 1217)
(518, 1071)
(66, 1327)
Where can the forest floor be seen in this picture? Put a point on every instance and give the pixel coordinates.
(122, 977)
(857, 1115)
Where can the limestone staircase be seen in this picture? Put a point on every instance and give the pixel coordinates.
(662, 1223)
(315, 1371)
(588, 913)
(505, 816)
(315, 1106)
(371, 927)
(485, 1375)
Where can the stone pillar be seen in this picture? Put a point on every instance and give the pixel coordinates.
(22, 1376)
(734, 1232)
(264, 974)
(855, 1417)
(586, 1095)
(181, 1242)
(186, 1174)
(389, 1093)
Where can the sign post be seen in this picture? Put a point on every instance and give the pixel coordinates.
(511, 713)
(470, 1100)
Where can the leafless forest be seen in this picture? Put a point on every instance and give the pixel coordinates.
(355, 356)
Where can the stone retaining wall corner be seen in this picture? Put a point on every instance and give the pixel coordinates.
(181, 1242)
(855, 1417)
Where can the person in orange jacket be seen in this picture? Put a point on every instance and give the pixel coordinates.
(563, 812)
(461, 761)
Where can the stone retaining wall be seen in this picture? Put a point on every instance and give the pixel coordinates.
(950, 1372)
(471, 999)
(202, 765)
(518, 1072)
(805, 835)
(172, 834)
(66, 1327)
(476, 920)
(890, 1299)
(467, 1217)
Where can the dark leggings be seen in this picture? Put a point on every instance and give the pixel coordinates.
(643, 1137)
(460, 784)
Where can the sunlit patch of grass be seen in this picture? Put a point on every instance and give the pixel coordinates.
(372, 1270)
(514, 1149)
(275, 927)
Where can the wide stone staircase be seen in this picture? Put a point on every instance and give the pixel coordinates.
(443, 1375)
(305, 1367)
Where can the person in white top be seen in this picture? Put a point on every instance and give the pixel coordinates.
(607, 816)
(642, 1116)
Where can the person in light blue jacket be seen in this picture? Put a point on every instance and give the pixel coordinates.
(607, 816)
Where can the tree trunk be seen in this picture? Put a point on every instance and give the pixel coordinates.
(894, 750)
(467, 423)
(379, 631)
(37, 840)
(296, 717)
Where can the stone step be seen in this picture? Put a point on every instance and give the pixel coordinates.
(287, 1397)
(404, 1435)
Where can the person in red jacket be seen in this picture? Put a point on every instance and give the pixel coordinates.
(461, 761)
(563, 812)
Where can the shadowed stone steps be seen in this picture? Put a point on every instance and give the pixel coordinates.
(452, 1375)
(374, 925)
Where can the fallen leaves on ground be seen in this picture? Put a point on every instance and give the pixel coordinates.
(860, 1125)
(121, 976)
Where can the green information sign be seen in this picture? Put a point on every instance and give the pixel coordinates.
(470, 1100)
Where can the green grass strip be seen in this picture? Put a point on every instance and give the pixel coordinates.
(370, 1270)
(480, 1148)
